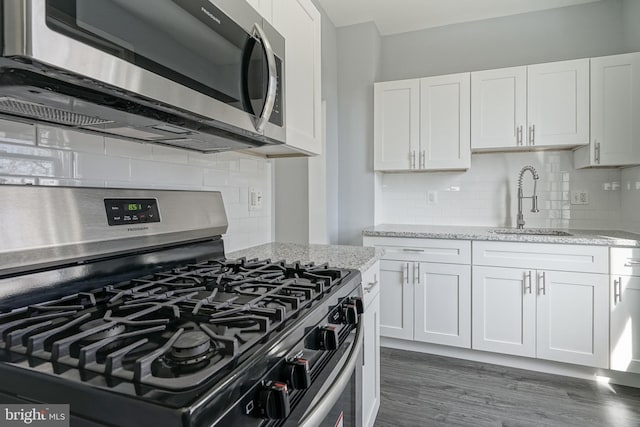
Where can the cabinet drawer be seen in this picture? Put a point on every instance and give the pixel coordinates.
(371, 284)
(586, 259)
(625, 261)
(423, 250)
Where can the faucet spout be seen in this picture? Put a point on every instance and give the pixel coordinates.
(534, 197)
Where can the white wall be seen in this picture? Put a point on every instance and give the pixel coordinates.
(44, 155)
(487, 194)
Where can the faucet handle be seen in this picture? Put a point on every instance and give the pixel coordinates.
(534, 207)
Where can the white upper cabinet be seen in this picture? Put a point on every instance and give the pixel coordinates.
(397, 125)
(300, 24)
(498, 108)
(264, 7)
(544, 105)
(615, 106)
(444, 122)
(422, 124)
(558, 103)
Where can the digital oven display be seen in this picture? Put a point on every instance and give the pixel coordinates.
(130, 211)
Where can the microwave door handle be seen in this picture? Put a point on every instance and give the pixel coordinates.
(320, 410)
(272, 84)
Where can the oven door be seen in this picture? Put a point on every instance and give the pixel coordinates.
(188, 54)
(338, 402)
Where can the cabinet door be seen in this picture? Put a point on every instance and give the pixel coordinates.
(504, 310)
(397, 125)
(443, 304)
(396, 290)
(300, 24)
(625, 324)
(558, 103)
(371, 363)
(572, 318)
(615, 106)
(445, 113)
(498, 108)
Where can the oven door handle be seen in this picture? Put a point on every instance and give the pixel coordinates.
(272, 83)
(320, 410)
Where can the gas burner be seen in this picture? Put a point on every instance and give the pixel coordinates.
(111, 331)
(190, 347)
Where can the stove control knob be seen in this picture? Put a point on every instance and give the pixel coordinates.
(357, 301)
(274, 400)
(329, 338)
(297, 374)
(350, 314)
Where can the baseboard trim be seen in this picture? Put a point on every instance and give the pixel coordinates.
(537, 365)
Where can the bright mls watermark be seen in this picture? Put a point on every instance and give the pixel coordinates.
(34, 415)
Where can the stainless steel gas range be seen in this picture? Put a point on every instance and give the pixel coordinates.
(121, 303)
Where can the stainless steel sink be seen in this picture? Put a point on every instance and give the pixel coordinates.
(531, 232)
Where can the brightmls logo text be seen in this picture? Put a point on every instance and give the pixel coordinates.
(34, 415)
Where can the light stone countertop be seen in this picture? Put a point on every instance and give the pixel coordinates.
(453, 232)
(355, 257)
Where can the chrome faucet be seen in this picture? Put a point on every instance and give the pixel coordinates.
(534, 197)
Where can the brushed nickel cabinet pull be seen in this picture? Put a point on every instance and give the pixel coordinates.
(413, 159)
(596, 153)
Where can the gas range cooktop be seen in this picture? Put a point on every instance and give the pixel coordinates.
(125, 298)
(173, 330)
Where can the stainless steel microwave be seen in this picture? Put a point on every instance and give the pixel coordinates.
(205, 75)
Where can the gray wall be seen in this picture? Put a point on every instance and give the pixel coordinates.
(330, 95)
(593, 29)
(631, 15)
(358, 67)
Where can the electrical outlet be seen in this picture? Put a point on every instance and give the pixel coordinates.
(255, 199)
(432, 197)
(579, 197)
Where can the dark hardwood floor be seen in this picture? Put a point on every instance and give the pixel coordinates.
(425, 390)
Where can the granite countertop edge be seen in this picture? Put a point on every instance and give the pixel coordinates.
(337, 256)
(579, 237)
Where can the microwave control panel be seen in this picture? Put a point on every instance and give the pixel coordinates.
(131, 211)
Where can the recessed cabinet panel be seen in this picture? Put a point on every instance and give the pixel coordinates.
(615, 104)
(572, 314)
(397, 125)
(444, 122)
(371, 363)
(558, 103)
(396, 292)
(503, 311)
(625, 324)
(498, 108)
(443, 304)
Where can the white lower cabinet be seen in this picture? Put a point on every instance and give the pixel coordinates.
(426, 302)
(625, 323)
(442, 309)
(504, 311)
(552, 315)
(371, 352)
(396, 290)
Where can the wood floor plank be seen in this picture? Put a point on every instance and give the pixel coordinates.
(425, 390)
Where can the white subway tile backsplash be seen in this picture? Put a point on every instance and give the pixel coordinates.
(157, 173)
(69, 139)
(17, 132)
(33, 161)
(97, 167)
(488, 193)
(18, 180)
(169, 155)
(64, 157)
(129, 149)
